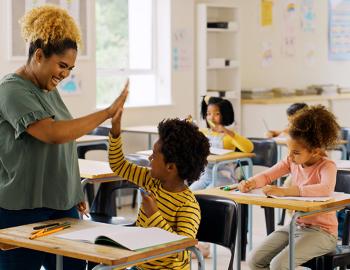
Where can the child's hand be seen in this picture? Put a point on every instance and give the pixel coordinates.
(116, 123)
(282, 191)
(119, 102)
(246, 185)
(274, 190)
(149, 204)
(272, 133)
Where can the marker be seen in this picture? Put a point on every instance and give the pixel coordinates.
(229, 188)
(211, 124)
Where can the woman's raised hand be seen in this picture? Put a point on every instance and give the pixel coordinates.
(119, 102)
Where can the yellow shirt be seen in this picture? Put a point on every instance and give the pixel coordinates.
(238, 141)
(178, 212)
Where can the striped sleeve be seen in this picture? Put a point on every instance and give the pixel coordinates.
(188, 219)
(122, 167)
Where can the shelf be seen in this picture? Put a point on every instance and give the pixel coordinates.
(222, 30)
(215, 68)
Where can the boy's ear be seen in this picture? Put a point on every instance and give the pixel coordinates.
(171, 167)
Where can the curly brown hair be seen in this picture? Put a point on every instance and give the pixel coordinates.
(50, 28)
(183, 144)
(315, 126)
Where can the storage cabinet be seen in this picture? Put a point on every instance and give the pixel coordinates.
(218, 66)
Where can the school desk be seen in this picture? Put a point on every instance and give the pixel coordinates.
(343, 164)
(302, 208)
(282, 141)
(148, 130)
(108, 257)
(89, 140)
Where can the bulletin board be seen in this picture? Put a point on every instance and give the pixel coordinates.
(339, 30)
(18, 49)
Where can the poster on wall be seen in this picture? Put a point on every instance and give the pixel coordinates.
(289, 28)
(266, 12)
(339, 30)
(307, 10)
(70, 85)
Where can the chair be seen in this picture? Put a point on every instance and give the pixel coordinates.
(345, 135)
(218, 222)
(341, 256)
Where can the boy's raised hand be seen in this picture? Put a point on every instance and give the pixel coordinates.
(119, 101)
(117, 117)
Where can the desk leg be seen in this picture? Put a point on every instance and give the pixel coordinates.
(150, 146)
(291, 239)
(59, 262)
(238, 239)
(201, 263)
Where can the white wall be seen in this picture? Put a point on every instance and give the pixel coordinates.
(286, 72)
(290, 72)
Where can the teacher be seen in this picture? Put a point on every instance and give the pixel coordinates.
(39, 173)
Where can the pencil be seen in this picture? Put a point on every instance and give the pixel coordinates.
(40, 234)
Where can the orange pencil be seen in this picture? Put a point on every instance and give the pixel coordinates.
(40, 234)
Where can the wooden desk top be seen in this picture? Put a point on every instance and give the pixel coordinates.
(283, 141)
(343, 164)
(141, 129)
(91, 138)
(229, 156)
(292, 99)
(275, 203)
(19, 237)
(93, 169)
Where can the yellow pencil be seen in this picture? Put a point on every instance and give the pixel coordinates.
(40, 233)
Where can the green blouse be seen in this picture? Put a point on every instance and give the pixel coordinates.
(34, 174)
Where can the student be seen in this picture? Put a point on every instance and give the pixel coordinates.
(291, 110)
(218, 113)
(310, 131)
(39, 173)
(179, 154)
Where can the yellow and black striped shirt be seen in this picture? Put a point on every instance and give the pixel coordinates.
(178, 212)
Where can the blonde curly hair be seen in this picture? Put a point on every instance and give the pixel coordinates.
(50, 24)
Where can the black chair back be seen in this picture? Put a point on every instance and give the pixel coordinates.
(219, 222)
(265, 151)
(345, 135)
(341, 256)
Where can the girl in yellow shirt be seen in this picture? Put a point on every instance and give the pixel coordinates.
(218, 113)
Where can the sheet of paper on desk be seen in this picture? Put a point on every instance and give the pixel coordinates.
(132, 238)
(219, 151)
(259, 193)
(253, 193)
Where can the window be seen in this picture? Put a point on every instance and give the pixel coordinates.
(127, 47)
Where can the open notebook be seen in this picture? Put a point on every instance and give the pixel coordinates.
(132, 238)
(259, 193)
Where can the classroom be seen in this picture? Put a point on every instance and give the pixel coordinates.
(133, 67)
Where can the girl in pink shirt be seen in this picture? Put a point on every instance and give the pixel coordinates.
(311, 131)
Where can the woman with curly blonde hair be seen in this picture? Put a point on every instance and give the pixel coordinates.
(39, 174)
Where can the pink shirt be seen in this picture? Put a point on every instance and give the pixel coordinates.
(316, 180)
